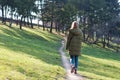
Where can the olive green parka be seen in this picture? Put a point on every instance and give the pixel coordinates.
(74, 41)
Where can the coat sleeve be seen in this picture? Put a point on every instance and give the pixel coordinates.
(68, 40)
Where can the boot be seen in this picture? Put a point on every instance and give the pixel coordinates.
(72, 69)
(75, 71)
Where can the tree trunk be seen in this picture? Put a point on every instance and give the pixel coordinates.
(104, 43)
(11, 20)
(3, 19)
(21, 22)
(108, 39)
(24, 21)
(42, 16)
(43, 25)
(31, 22)
(51, 26)
(84, 34)
(5, 16)
(17, 21)
(56, 25)
(27, 21)
(52, 17)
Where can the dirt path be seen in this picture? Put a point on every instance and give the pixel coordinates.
(66, 64)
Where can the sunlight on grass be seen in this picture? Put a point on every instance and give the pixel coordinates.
(93, 76)
(46, 36)
(29, 54)
(99, 64)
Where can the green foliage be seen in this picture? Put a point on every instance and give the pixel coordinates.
(29, 54)
(59, 12)
(67, 15)
(26, 9)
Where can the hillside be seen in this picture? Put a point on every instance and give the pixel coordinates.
(99, 64)
(29, 54)
(32, 54)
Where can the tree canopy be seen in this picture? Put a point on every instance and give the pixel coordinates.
(96, 17)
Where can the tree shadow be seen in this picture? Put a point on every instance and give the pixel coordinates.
(31, 44)
(98, 52)
(91, 66)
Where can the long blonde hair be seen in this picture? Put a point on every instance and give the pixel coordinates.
(74, 25)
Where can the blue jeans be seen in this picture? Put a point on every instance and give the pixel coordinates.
(74, 61)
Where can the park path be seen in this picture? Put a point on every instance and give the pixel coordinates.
(66, 64)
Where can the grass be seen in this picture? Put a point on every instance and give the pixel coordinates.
(32, 54)
(99, 64)
(29, 54)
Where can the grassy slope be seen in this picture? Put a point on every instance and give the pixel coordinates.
(99, 64)
(29, 54)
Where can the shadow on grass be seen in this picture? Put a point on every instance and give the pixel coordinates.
(90, 66)
(93, 68)
(98, 52)
(31, 44)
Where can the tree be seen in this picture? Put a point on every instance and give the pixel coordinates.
(58, 12)
(12, 5)
(3, 4)
(26, 10)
